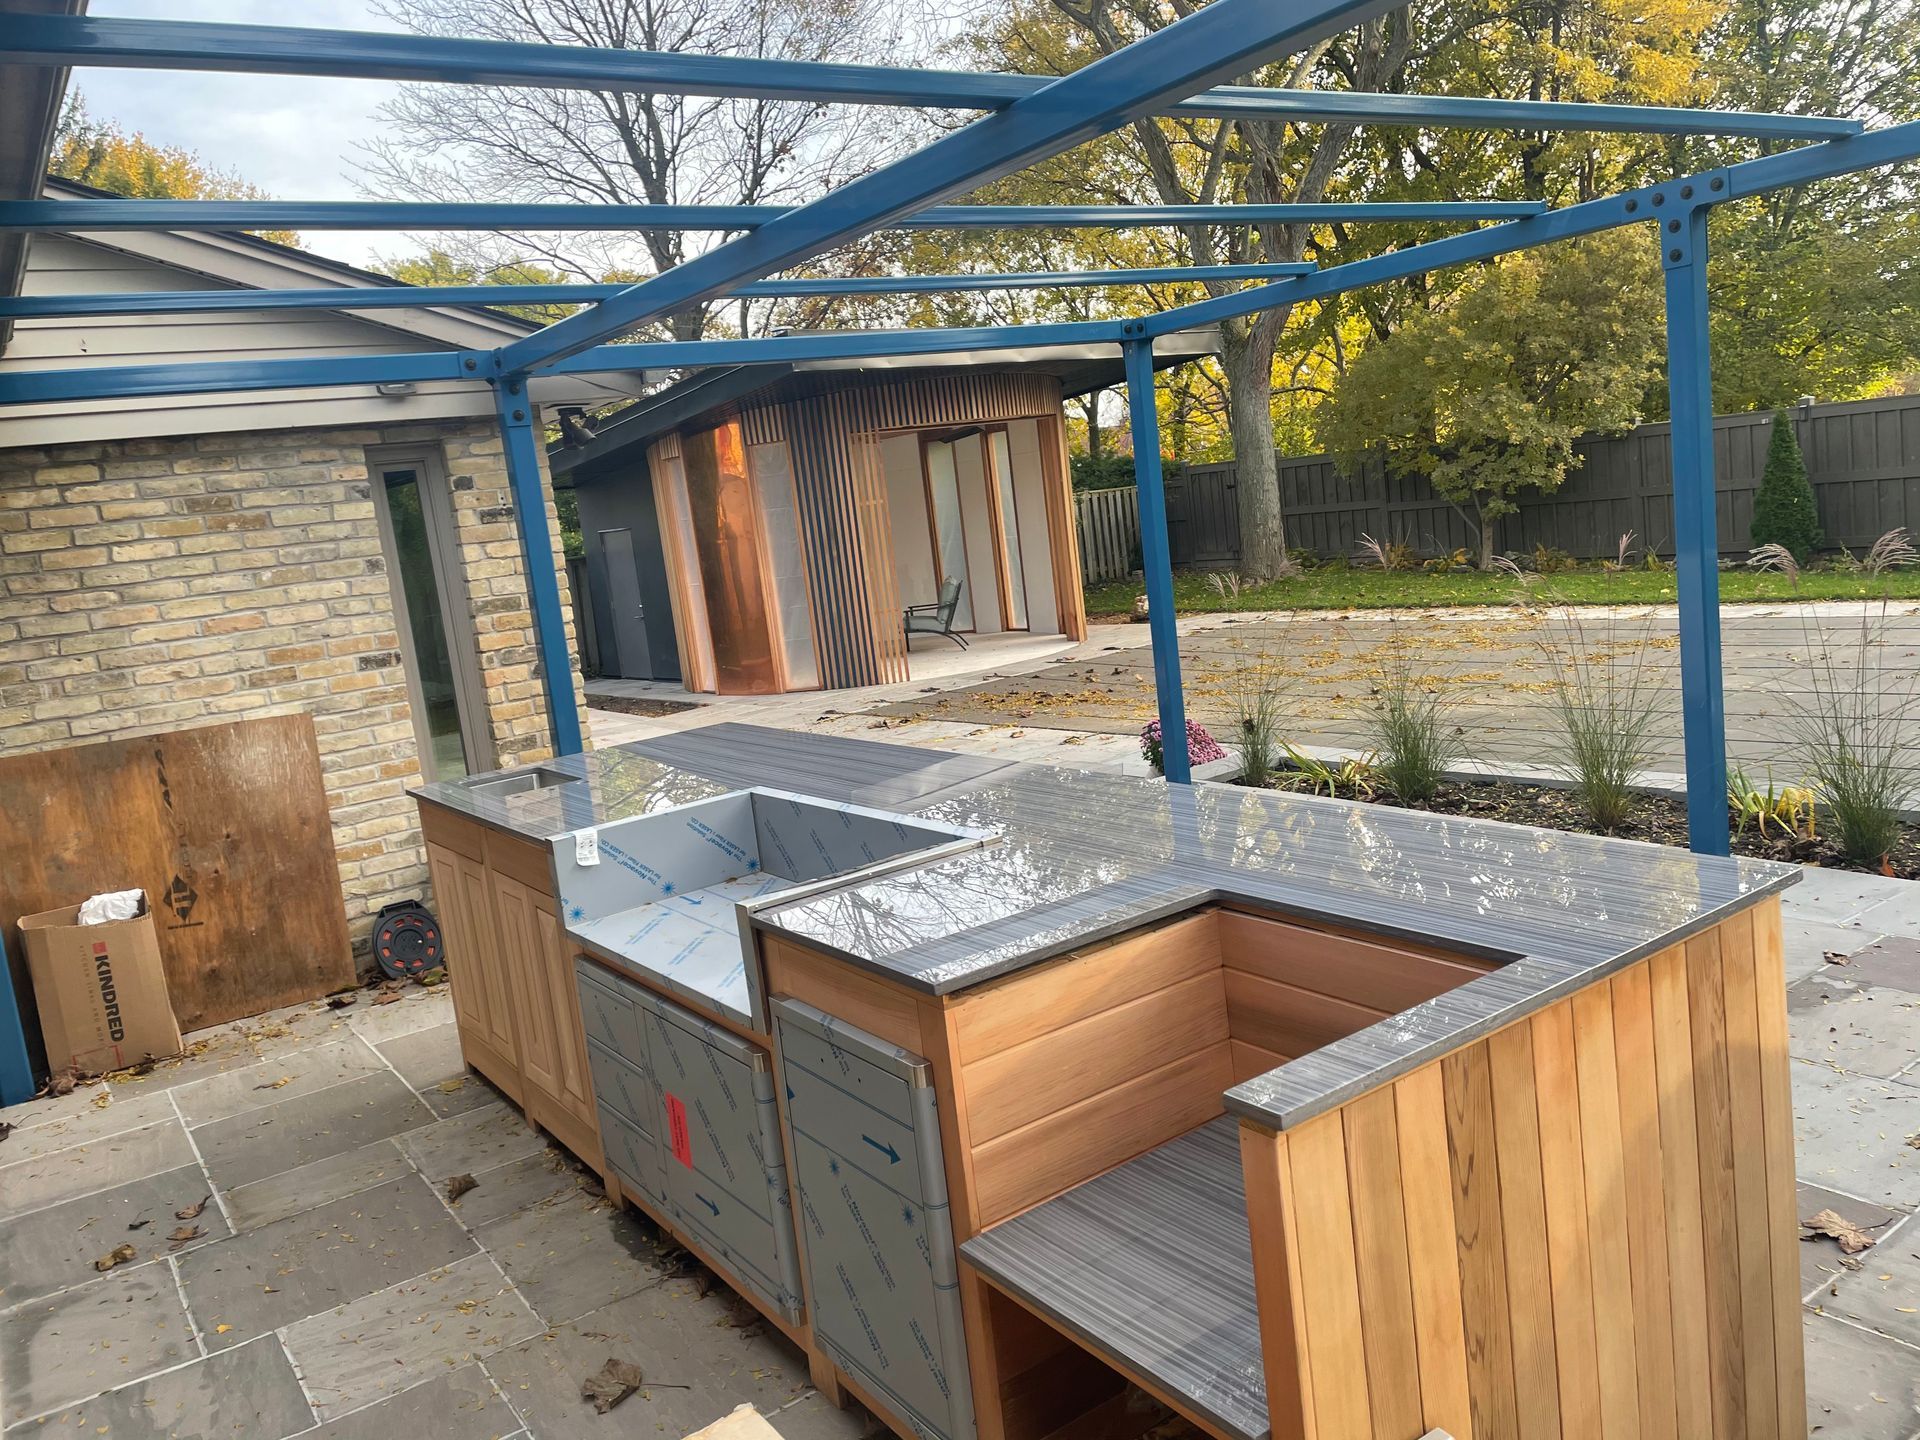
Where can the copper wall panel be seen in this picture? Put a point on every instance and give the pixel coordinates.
(727, 541)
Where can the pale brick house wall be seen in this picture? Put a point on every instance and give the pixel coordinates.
(152, 584)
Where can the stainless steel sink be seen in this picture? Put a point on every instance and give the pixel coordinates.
(501, 786)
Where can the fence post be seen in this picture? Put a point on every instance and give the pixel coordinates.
(1696, 544)
(1156, 562)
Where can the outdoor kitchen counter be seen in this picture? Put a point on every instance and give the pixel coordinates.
(1085, 855)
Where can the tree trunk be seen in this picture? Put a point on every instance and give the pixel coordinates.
(1489, 536)
(1247, 358)
(1092, 403)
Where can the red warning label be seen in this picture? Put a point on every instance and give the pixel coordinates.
(677, 1131)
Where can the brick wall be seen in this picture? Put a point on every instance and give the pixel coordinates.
(149, 585)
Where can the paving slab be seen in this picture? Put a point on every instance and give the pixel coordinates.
(1850, 1134)
(91, 1338)
(460, 1093)
(574, 1254)
(334, 1178)
(296, 1132)
(460, 1405)
(266, 1083)
(1884, 1293)
(1897, 914)
(467, 1144)
(1860, 1386)
(391, 1340)
(1820, 1257)
(99, 1114)
(676, 1337)
(507, 1189)
(1842, 1019)
(249, 1391)
(1808, 943)
(56, 1247)
(424, 1058)
(1838, 896)
(309, 1262)
(421, 1008)
(87, 1169)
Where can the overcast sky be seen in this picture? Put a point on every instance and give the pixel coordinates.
(291, 135)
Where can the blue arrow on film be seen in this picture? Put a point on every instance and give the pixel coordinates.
(893, 1155)
(708, 1203)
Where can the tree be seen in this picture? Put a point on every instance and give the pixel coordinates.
(1484, 396)
(446, 142)
(1784, 512)
(434, 266)
(103, 154)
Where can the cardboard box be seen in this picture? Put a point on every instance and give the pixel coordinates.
(101, 990)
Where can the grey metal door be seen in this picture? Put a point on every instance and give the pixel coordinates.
(632, 655)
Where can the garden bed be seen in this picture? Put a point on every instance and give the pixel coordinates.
(1661, 819)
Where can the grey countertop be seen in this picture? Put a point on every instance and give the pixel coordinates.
(1083, 855)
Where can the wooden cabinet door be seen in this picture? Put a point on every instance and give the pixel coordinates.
(525, 958)
(480, 1006)
(570, 1036)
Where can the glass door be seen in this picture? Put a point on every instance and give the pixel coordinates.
(437, 645)
(1007, 518)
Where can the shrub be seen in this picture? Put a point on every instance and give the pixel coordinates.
(1851, 723)
(1789, 808)
(1606, 698)
(1415, 739)
(1550, 561)
(1258, 691)
(1390, 555)
(1201, 747)
(1448, 564)
(1784, 512)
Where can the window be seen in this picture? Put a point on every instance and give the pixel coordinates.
(437, 648)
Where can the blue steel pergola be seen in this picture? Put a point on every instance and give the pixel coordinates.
(1183, 70)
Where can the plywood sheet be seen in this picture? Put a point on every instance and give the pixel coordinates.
(225, 826)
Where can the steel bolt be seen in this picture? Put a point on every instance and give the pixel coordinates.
(1659, 198)
(1632, 205)
(1674, 254)
(519, 414)
(1686, 192)
(1717, 183)
(1673, 227)
(472, 364)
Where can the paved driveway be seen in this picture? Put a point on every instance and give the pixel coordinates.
(1500, 666)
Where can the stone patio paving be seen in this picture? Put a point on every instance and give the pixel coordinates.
(335, 1293)
(1493, 661)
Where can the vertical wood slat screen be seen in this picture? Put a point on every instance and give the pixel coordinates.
(842, 499)
(1581, 1225)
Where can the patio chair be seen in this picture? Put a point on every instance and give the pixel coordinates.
(936, 618)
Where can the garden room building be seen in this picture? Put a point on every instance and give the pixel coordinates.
(763, 528)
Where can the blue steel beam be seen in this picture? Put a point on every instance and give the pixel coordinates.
(69, 216)
(28, 387)
(1208, 46)
(1891, 146)
(523, 449)
(1156, 563)
(396, 297)
(1882, 147)
(1696, 528)
(272, 50)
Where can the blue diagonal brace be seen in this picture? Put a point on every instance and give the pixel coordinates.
(1156, 562)
(1696, 544)
(523, 448)
(1212, 44)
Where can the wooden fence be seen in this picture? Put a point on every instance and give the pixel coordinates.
(1109, 522)
(1863, 458)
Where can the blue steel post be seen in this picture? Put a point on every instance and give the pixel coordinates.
(1696, 544)
(536, 550)
(1157, 561)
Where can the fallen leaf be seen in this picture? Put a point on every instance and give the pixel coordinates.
(102, 1099)
(139, 1224)
(386, 999)
(447, 1087)
(186, 1234)
(1833, 1226)
(119, 1255)
(616, 1380)
(340, 1002)
(458, 1185)
(275, 1084)
(5, 1129)
(221, 1329)
(63, 1083)
(192, 1212)
(1834, 957)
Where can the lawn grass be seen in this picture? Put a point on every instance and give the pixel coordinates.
(1333, 588)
